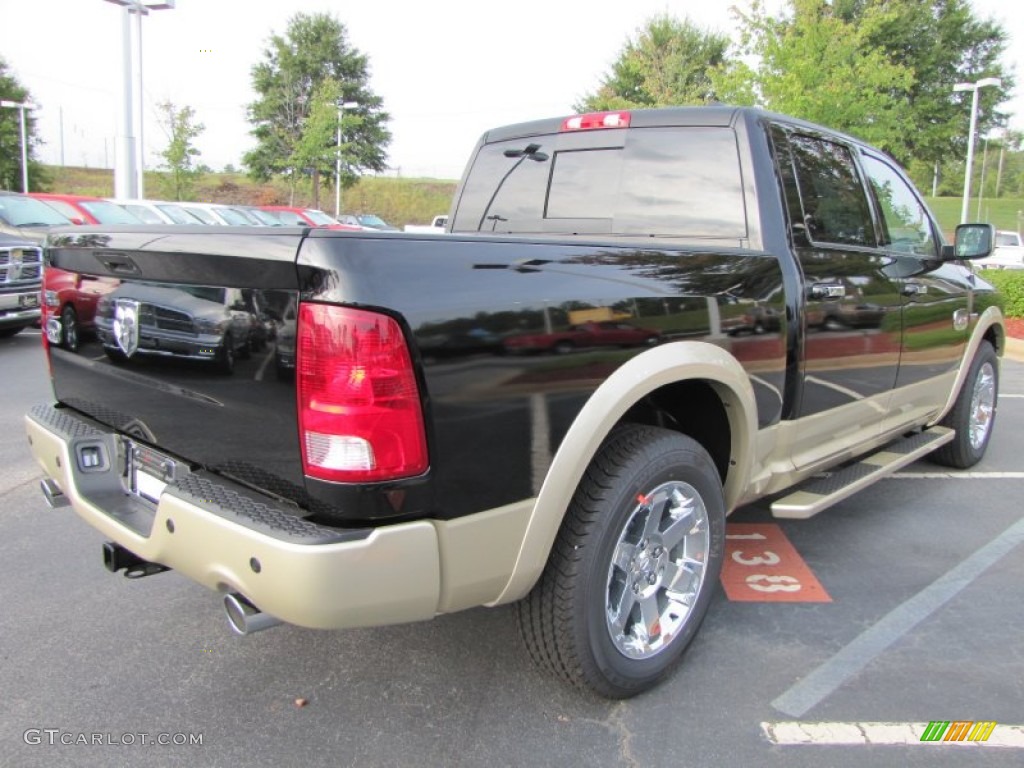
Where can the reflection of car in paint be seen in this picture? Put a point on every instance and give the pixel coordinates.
(70, 299)
(183, 321)
(582, 336)
(1007, 254)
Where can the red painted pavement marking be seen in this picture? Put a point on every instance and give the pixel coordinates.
(762, 566)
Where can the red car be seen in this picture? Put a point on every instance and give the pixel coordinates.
(69, 301)
(305, 217)
(591, 334)
(81, 209)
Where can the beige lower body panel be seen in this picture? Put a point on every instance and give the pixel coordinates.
(392, 576)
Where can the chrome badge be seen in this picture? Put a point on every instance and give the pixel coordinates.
(126, 325)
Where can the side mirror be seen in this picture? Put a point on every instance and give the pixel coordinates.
(973, 241)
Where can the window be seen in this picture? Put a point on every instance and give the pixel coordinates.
(674, 181)
(908, 227)
(835, 206)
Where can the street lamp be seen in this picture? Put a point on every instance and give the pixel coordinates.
(342, 105)
(975, 87)
(21, 106)
(130, 163)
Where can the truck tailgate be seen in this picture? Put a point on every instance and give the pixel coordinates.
(189, 352)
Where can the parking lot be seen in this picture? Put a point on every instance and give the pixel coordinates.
(925, 572)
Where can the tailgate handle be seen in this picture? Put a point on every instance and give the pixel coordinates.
(118, 263)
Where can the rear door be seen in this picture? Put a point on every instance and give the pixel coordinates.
(850, 334)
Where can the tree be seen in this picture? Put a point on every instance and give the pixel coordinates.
(816, 65)
(181, 129)
(669, 63)
(10, 136)
(313, 50)
(943, 43)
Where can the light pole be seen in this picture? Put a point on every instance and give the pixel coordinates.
(975, 87)
(129, 162)
(21, 106)
(342, 105)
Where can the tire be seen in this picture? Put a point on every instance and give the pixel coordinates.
(225, 360)
(973, 414)
(115, 356)
(69, 328)
(588, 619)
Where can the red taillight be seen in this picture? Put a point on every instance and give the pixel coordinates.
(359, 407)
(592, 120)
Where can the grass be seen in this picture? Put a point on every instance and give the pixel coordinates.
(397, 201)
(1003, 212)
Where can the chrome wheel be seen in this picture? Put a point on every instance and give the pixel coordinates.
(658, 569)
(983, 403)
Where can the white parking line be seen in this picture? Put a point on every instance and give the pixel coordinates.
(957, 475)
(1004, 397)
(263, 366)
(884, 734)
(822, 682)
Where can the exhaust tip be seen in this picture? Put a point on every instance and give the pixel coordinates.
(55, 498)
(244, 618)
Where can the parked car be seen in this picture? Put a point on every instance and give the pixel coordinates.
(82, 209)
(158, 212)
(21, 264)
(28, 218)
(218, 214)
(437, 226)
(606, 333)
(69, 300)
(184, 321)
(372, 221)
(1007, 254)
(260, 216)
(306, 217)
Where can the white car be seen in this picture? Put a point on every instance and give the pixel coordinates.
(1007, 254)
(436, 227)
(221, 215)
(157, 211)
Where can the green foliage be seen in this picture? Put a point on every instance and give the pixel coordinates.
(942, 43)
(816, 65)
(313, 50)
(10, 136)
(668, 63)
(181, 129)
(1009, 283)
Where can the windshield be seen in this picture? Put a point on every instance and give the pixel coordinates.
(203, 292)
(370, 220)
(143, 214)
(20, 211)
(264, 217)
(179, 215)
(319, 218)
(291, 218)
(107, 213)
(231, 216)
(203, 215)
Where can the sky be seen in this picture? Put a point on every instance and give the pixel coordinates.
(447, 70)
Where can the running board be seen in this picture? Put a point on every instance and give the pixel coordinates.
(819, 493)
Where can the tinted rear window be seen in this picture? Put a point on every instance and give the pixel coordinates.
(645, 181)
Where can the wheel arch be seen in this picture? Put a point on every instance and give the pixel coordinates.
(649, 389)
(990, 328)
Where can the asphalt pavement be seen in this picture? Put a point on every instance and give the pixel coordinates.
(925, 573)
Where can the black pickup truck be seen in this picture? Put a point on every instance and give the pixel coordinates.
(799, 311)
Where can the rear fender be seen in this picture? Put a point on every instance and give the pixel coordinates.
(643, 374)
